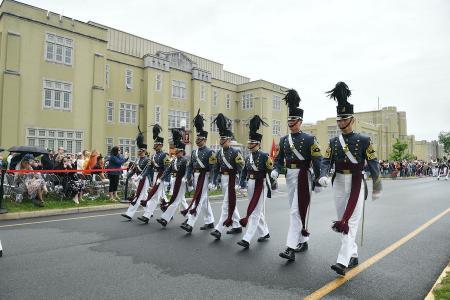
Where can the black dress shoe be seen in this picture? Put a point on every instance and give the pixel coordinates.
(353, 262)
(186, 227)
(162, 222)
(244, 244)
(288, 254)
(207, 226)
(216, 234)
(302, 247)
(264, 238)
(126, 216)
(235, 230)
(184, 222)
(144, 219)
(339, 268)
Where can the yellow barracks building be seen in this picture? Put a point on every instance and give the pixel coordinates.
(88, 86)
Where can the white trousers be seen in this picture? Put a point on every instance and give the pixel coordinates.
(223, 216)
(444, 173)
(256, 221)
(181, 199)
(153, 202)
(204, 207)
(142, 196)
(341, 188)
(294, 236)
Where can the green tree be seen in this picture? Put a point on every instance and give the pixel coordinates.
(399, 151)
(444, 139)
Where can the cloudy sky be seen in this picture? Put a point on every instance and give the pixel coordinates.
(398, 50)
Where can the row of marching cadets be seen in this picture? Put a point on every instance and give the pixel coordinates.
(350, 153)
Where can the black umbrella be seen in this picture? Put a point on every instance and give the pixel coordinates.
(28, 149)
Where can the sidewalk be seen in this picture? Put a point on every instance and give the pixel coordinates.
(75, 210)
(430, 295)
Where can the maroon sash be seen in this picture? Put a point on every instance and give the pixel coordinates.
(357, 177)
(231, 197)
(176, 189)
(259, 185)
(303, 195)
(153, 190)
(138, 190)
(197, 194)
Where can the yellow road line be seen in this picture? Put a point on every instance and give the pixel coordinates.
(331, 286)
(85, 217)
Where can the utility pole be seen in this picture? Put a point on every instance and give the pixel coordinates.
(378, 103)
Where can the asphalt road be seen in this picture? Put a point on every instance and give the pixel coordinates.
(101, 256)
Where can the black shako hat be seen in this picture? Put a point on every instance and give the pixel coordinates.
(156, 138)
(224, 125)
(340, 93)
(177, 139)
(254, 125)
(199, 124)
(140, 140)
(293, 102)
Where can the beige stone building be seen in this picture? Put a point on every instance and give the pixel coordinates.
(83, 85)
(384, 127)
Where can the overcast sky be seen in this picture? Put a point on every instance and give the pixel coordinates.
(398, 51)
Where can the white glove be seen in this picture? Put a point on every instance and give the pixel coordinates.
(158, 181)
(212, 186)
(376, 195)
(183, 180)
(274, 174)
(317, 189)
(324, 181)
(237, 187)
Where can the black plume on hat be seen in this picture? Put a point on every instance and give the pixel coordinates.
(140, 140)
(293, 102)
(340, 94)
(254, 125)
(199, 124)
(156, 131)
(177, 138)
(223, 124)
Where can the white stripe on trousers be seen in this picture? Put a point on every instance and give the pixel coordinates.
(204, 207)
(341, 188)
(256, 221)
(294, 236)
(131, 211)
(224, 179)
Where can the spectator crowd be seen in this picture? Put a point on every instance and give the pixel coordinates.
(413, 168)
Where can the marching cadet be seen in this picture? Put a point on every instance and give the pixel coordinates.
(159, 162)
(229, 164)
(199, 168)
(178, 170)
(348, 152)
(140, 168)
(443, 169)
(254, 175)
(297, 151)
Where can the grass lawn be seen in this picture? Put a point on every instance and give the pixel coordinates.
(442, 290)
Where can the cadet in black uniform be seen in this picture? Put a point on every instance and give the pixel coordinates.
(348, 152)
(297, 151)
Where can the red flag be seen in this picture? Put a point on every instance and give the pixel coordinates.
(273, 149)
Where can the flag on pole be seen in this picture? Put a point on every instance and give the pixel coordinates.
(273, 149)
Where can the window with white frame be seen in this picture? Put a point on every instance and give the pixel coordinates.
(178, 89)
(158, 82)
(247, 101)
(107, 70)
(128, 145)
(276, 127)
(109, 141)
(58, 49)
(128, 113)
(109, 111)
(215, 98)
(202, 92)
(332, 131)
(175, 118)
(128, 79)
(57, 95)
(158, 114)
(276, 102)
(228, 101)
(52, 138)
